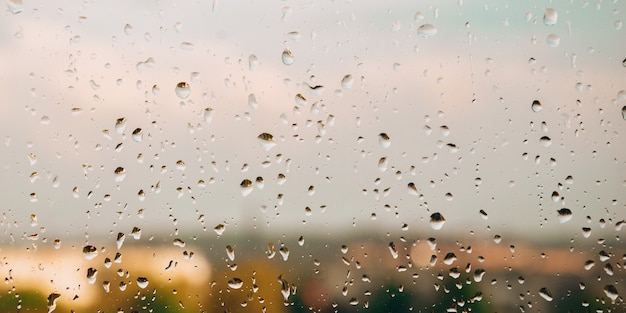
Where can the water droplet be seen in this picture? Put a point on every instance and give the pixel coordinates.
(91, 275)
(393, 250)
(15, 6)
(122, 286)
(449, 258)
(478, 275)
(107, 286)
(252, 103)
(550, 16)
(284, 252)
(246, 187)
(624, 112)
(347, 82)
(120, 240)
(436, 221)
(128, 29)
(412, 189)
(553, 40)
(136, 233)
(287, 57)
(120, 125)
(90, 252)
(483, 214)
(545, 141)
(120, 174)
(564, 215)
(301, 100)
(230, 252)
(178, 242)
(426, 30)
(586, 232)
(354, 301)
(546, 294)
(301, 241)
(137, 135)
(142, 282)
(183, 90)
(253, 61)
(267, 141)
(208, 115)
(384, 140)
(611, 292)
(219, 229)
(52, 301)
(536, 106)
(235, 283)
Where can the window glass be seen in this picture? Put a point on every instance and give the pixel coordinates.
(323, 156)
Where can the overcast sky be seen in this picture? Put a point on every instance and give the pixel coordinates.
(455, 103)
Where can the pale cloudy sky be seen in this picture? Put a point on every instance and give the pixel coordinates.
(68, 73)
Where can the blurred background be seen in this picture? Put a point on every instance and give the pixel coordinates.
(325, 156)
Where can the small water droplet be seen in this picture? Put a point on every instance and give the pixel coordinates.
(586, 232)
(565, 215)
(347, 82)
(230, 252)
(483, 214)
(301, 241)
(267, 141)
(436, 221)
(412, 189)
(426, 30)
(120, 125)
(252, 102)
(449, 258)
(107, 286)
(90, 252)
(624, 112)
(235, 283)
(536, 106)
(183, 90)
(284, 252)
(589, 264)
(120, 240)
(136, 233)
(178, 242)
(546, 294)
(550, 16)
(287, 57)
(128, 29)
(142, 282)
(52, 301)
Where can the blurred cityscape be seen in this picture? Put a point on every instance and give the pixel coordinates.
(315, 275)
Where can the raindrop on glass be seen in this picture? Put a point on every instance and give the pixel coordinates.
(553, 40)
(219, 229)
(235, 283)
(611, 292)
(564, 215)
(536, 106)
(550, 16)
(287, 57)
(347, 82)
(142, 282)
(545, 141)
(246, 187)
(120, 174)
(393, 250)
(426, 30)
(546, 294)
(90, 252)
(267, 141)
(137, 135)
(436, 221)
(183, 90)
(384, 140)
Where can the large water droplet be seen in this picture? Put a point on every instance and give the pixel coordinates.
(52, 301)
(142, 282)
(546, 294)
(426, 30)
(235, 283)
(287, 57)
(611, 292)
(90, 252)
(553, 40)
(137, 135)
(536, 106)
(347, 81)
(545, 141)
(436, 221)
(267, 141)
(550, 16)
(384, 140)
(183, 90)
(565, 215)
(91, 275)
(246, 187)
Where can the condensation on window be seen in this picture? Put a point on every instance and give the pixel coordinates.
(312, 156)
